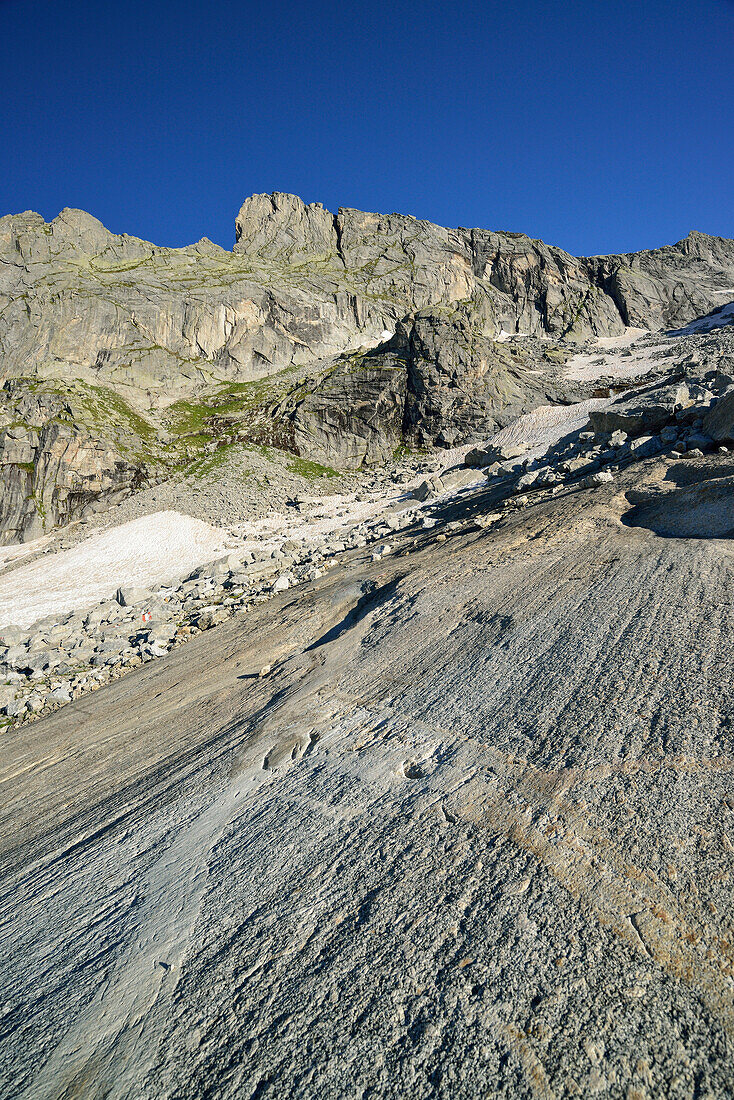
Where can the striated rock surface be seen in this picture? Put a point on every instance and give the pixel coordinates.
(455, 822)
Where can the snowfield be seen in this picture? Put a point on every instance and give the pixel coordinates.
(613, 357)
(724, 315)
(145, 552)
(545, 425)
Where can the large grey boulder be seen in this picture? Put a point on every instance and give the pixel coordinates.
(645, 410)
(478, 457)
(499, 452)
(718, 422)
(458, 478)
(431, 487)
(600, 477)
(133, 597)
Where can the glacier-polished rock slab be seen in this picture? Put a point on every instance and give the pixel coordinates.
(472, 835)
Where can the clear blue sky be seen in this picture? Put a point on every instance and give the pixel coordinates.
(598, 126)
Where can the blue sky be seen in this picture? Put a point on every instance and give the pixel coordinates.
(600, 127)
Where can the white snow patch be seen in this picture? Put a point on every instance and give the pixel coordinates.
(504, 336)
(612, 357)
(718, 318)
(538, 430)
(628, 337)
(145, 552)
(545, 425)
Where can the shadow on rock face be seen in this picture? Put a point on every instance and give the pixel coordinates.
(684, 474)
(702, 509)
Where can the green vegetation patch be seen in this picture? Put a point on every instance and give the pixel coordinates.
(102, 411)
(107, 415)
(229, 399)
(305, 468)
(205, 465)
(120, 266)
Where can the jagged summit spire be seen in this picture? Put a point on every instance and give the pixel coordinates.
(285, 227)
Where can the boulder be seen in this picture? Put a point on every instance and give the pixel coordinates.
(645, 446)
(699, 440)
(59, 695)
(506, 452)
(478, 457)
(12, 635)
(133, 597)
(160, 633)
(601, 477)
(428, 488)
(578, 465)
(718, 422)
(495, 470)
(459, 478)
(526, 481)
(35, 665)
(645, 410)
(211, 616)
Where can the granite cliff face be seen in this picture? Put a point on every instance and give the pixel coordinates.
(302, 284)
(53, 468)
(664, 288)
(401, 325)
(532, 288)
(439, 380)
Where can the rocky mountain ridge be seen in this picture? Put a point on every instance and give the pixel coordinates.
(340, 337)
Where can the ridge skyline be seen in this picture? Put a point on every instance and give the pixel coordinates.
(316, 204)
